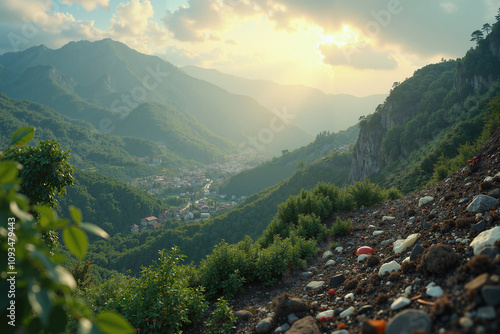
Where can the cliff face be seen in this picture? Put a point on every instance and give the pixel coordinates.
(415, 105)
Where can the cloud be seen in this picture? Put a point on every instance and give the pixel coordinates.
(358, 56)
(88, 5)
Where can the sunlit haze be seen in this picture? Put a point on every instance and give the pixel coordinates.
(355, 47)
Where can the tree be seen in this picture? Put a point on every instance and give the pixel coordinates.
(498, 15)
(477, 36)
(486, 28)
(82, 275)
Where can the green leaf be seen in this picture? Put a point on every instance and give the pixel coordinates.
(112, 322)
(40, 302)
(85, 326)
(22, 136)
(76, 214)
(76, 241)
(8, 172)
(94, 229)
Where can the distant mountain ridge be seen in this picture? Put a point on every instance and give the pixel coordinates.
(313, 110)
(102, 82)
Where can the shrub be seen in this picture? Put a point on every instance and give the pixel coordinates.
(393, 194)
(222, 319)
(159, 300)
(365, 193)
(340, 227)
(310, 227)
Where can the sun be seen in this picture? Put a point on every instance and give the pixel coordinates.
(341, 38)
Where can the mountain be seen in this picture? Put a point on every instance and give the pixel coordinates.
(439, 111)
(311, 109)
(103, 82)
(115, 156)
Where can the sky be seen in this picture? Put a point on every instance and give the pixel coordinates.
(356, 47)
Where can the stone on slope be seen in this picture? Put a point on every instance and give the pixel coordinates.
(484, 239)
(264, 326)
(417, 250)
(435, 291)
(424, 200)
(486, 312)
(243, 315)
(408, 321)
(288, 304)
(337, 280)
(482, 203)
(327, 314)
(388, 268)
(305, 325)
(315, 285)
(282, 329)
(400, 303)
(402, 245)
(329, 263)
(495, 193)
(292, 318)
(384, 218)
(347, 312)
(327, 254)
(491, 294)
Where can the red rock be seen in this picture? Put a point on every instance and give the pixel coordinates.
(365, 250)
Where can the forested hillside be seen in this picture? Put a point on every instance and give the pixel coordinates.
(436, 114)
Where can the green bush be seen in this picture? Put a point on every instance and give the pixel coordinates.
(222, 319)
(393, 194)
(158, 300)
(340, 227)
(365, 193)
(309, 227)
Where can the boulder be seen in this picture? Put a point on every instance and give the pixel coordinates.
(484, 239)
(482, 203)
(425, 200)
(306, 325)
(264, 326)
(288, 304)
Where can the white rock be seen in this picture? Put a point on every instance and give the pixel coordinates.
(328, 314)
(327, 254)
(377, 232)
(435, 291)
(384, 218)
(329, 263)
(347, 312)
(406, 259)
(402, 245)
(339, 249)
(425, 200)
(400, 303)
(388, 268)
(488, 179)
(485, 238)
(315, 285)
(349, 296)
(408, 291)
(362, 257)
(431, 285)
(466, 322)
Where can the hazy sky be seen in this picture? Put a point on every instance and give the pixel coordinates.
(358, 47)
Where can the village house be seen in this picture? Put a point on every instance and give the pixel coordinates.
(148, 220)
(134, 228)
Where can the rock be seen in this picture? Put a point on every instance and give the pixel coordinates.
(306, 274)
(243, 315)
(292, 318)
(387, 268)
(341, 331)
(478, 282)
(479, 227)
(486, 312)
(400, 303)
(490, 251)
(363, 257)
(288, 304)
(365, 309)
(349, 296)
(426, 225)
(401, 245)
(281, 329)
(327, 254)
(488, 179)
(425, 200)
(495, 193)
(384, 218)
(408, 321)
(305, 325)
(315, 285)
(491, 294)
(375, 233)
(264, 326)
(347, 312)
(482, 203)
(337, 280)
(485, 238)
(417, 250)
(327, 313)
(438, 259)
(339, 249)
(466, 322)
(329, 263)
(387, 242)
(435, 291)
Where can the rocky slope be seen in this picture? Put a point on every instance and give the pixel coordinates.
(439, 284)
